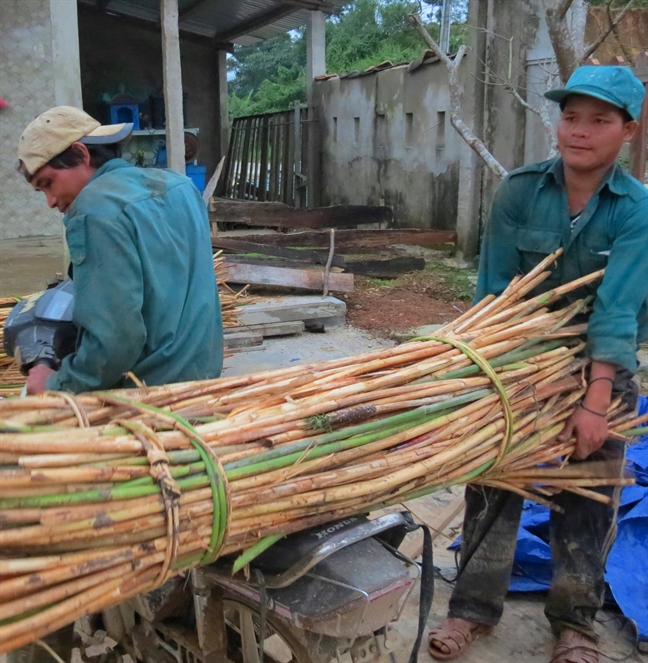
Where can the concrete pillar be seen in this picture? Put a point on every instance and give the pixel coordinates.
(315, 50)
(315, 66)
(65, 53)
(172, 85)
(446, 19)
(471, 76)
(222, 117)
(66, 67)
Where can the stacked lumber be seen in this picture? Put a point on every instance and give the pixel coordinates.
(106, 495)
(282, 259)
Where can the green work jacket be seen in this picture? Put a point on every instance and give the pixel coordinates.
(530, 219)
(145, 294)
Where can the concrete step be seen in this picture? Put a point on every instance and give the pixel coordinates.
(329, 311)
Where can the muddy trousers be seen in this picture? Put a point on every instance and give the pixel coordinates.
(581, 538)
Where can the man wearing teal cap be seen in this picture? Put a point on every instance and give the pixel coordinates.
(586, 204)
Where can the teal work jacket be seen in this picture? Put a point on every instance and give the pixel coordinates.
(530, 219)
(145, 294)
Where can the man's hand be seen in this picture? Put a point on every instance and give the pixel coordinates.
(590, 430)
(589, 422)
(36, 378)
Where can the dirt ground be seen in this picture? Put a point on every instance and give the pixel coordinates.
(438, 294)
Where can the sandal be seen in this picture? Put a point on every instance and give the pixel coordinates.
(455, 637)
(574, 647)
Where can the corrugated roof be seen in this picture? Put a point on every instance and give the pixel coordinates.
(237, 21)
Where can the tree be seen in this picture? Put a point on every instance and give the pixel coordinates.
(570, 53)
(271, 75)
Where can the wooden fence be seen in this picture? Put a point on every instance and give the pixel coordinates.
(267, 158)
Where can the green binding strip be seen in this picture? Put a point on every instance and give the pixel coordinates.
(482, 362)
(216, 475)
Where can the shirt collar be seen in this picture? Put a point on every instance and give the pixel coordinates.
(109, 166)
(615, 180)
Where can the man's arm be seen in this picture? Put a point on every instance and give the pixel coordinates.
(108, 300)
(499, 259)
(612, 331)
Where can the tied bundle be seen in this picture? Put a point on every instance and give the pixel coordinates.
(230, 300)
(106, 495)
(11, 380)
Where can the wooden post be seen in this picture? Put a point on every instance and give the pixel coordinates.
(315, 50)
(222, 116)
(297, 156)
(638, 144)
(315, 66)
(172, 85)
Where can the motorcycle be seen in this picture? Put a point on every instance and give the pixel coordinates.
(325, 595)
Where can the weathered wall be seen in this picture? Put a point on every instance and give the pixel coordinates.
(28, 85)
(386, 138)
(117, 55)
(629, 38)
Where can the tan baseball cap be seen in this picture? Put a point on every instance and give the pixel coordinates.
(53, 131)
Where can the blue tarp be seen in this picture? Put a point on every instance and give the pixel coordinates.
(627, 565)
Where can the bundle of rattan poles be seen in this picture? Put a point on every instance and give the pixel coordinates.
(230, 300)
(11, 381)
(106, 495)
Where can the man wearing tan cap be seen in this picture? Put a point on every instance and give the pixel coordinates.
(146, 301)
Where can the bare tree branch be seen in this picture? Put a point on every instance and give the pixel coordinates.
(612, 25)
(562, 7)
(561, 37)
(615, 31)
(455, 102)
(544, 118)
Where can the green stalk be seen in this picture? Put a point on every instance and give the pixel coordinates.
(519, 354)
(409, 418)
(253, 552)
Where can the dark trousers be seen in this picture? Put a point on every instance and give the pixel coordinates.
(581, 538)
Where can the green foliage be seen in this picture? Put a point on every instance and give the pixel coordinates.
(457, 279)
(274, 94)
(270, 76)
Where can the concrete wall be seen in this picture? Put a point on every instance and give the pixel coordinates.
(120, 55)
(31, 83)
(387, 139)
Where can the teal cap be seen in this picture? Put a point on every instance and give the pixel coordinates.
(614, 84)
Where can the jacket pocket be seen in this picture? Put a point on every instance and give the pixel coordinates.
(75, 235)
(537, 240)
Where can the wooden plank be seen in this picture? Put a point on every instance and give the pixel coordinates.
(277, 214)
(389, 268)
(263, 166)
(638, 144)
(241, 339)
(241, 246)
(346, 240)
(290, 308)
(272, 328)
(213, 182)
(245, 127)
(307, 279)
